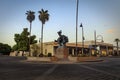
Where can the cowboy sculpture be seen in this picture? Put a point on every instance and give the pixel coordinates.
(62, 39)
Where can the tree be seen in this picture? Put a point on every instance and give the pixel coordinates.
(35, 49)
(5, 49)
(15, 48)
(17, 39)
(117, 41)
(22, 40)
(43, 17)
(30, 18)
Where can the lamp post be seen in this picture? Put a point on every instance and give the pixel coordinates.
(40, 46)
(82, 38)
(96, 38)
(39, 40)
(99, 38)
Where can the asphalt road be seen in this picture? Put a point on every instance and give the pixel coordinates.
(16, 68)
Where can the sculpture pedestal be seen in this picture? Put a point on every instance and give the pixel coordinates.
(62, 53)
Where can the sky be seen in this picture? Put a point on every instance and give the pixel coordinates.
(100, 15)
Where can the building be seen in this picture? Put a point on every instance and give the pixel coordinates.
(100, 48)
(89, 48)
(115, 50)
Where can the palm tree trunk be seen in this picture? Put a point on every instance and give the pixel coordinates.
(42, 39)
(29, 38)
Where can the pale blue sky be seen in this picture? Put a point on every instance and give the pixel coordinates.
(100, 15)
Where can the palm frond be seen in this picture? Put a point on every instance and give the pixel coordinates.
(30, 15)
(43, 16)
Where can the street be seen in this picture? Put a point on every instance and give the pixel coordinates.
(17, 68)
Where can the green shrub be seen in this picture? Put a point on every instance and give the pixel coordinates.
(49, 54)
(5, 49)
(82, 55)
(41, 55)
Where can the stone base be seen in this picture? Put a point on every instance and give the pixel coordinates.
(62, 53)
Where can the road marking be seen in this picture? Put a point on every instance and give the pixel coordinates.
(49, 71)
(101, 71)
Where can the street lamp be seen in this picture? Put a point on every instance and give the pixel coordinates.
(82, 38)
(39, 40)
(96, 38)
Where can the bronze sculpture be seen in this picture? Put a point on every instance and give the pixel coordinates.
(62, 39)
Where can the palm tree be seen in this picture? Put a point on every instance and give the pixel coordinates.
(43, 17)
(30, 18)
(117, 41)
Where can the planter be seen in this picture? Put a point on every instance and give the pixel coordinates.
(26, 53)
(98, 55)
(87, 59)
(72, 59)
(12, 54)
(42, 59)
(20, 53)
(54, 58)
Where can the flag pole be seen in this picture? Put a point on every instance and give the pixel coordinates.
(76, 26)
